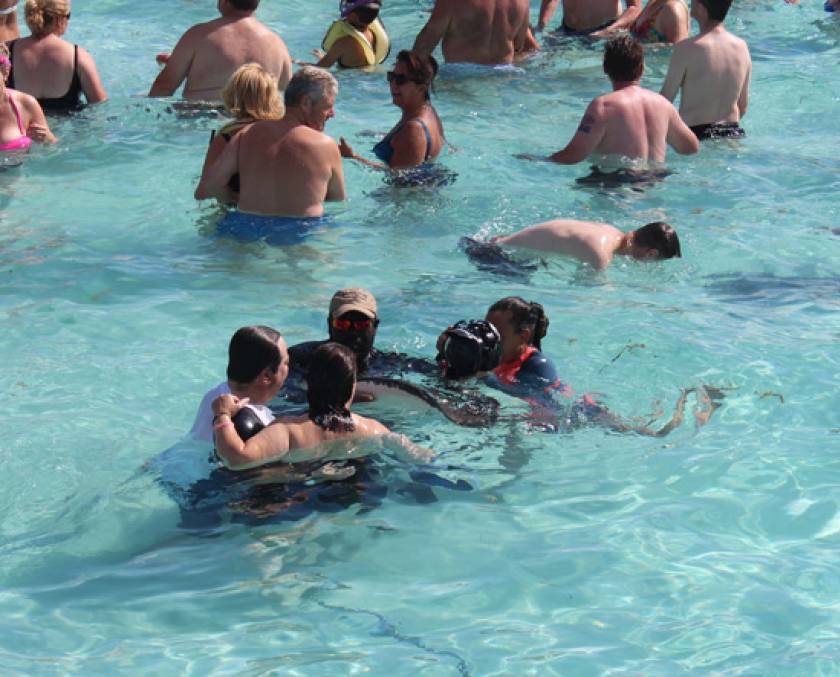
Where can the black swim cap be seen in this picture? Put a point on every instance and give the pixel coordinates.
(471, 346)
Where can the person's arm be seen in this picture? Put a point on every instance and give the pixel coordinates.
(589, 134)
(346, 48)
(625, 21)
(214, 150)
(37, 128)
(744, 97)
(680, 137)
(547, 9)
(91, 84)
(347, 151)
(676, 75)
(176, 68)
(674, 26)
(435, 28)
(409, 146)
(215, 183)
(525, 43)
(270, 444)
(335, 187)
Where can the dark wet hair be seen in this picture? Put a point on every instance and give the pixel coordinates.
(525, 315)
(244, 5)
(420, 68)
(717, 9)
(251, 350)
(624, 59)
(661, 237)
(330, 381)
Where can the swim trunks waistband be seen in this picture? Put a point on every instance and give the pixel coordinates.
(718, 130)
(573, 32)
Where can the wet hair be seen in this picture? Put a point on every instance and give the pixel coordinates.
(251, 94)
(420, 68)
(624, 59)
(5, 63)
(244, 5)
(251, 350)
(311, 81)
(525, 315)
(42, 15)
(367, 15)
(717, 9)
(330, 381)
(661, 237)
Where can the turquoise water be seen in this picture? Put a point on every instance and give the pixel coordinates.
(711, 550)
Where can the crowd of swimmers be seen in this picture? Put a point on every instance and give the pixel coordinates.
(272, 160)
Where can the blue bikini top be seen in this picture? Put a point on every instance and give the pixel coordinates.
(385, 152)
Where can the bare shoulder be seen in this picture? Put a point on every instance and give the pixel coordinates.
(369, 426)
(26, 101)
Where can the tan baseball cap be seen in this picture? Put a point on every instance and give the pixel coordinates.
(355, 298)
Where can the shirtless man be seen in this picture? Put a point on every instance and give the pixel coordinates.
(208, 54)
(631, 121)
(485, 32)
(590, 17)
(597, 243)
(713, 70)
(8, 20)
(287, 167)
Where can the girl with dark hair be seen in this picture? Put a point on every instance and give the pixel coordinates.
(417, 138)
(523, 370)
(331, 385)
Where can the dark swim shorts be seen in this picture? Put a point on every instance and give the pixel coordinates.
(573, 33)
(718, 130)
(274, 230)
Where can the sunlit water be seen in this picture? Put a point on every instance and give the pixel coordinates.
(711, 550)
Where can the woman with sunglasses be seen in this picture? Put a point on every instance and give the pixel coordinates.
(49, 68)
(320, 434)
(417, 138)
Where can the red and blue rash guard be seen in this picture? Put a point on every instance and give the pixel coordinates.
(531, 376)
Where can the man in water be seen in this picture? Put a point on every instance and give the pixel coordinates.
(631, 121)
(208, 53)
(488, 32)
(713, 71)
(592, 243)
(287, 167)
(590, 17)
(258, 364)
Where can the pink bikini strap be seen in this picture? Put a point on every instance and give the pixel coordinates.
(17, 113)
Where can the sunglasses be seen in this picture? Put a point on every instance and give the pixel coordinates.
(400, 79)
(352, 325)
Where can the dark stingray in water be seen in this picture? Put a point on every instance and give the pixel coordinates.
(773, 290)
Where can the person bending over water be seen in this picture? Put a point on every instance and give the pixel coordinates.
(331, 384)
(287, 167)
(208, 53)
(258, 363)
(418, 136)
(590, 17)
(54, 71)
(594, 244)
(357, 39)
(250, 95)
(488, 32)
(631, 122)
(713, 71)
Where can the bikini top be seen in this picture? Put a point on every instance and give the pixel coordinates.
(385, 152)
(23, 141)
(70, 100)
(646, 32)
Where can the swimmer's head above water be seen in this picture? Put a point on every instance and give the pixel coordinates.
(624, 59)
(331, 384)
(258, 363)
(352, 321)
(657, 240)
(520, 323)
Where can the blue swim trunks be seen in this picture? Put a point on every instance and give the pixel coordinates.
(273, 230)
(427, 175)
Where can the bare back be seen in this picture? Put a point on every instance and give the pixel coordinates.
(221, 46)
(286, 169)
(477, 31)
(713, 70)
(636, 122)
(589, 242)
(44, 68)
(584, 15)
(304, 434)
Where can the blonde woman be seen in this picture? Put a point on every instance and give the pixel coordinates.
(54, 71)
(251, 94)
(21, 119)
